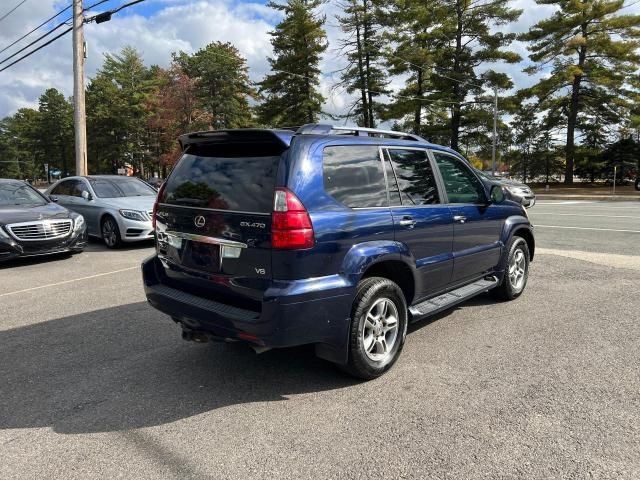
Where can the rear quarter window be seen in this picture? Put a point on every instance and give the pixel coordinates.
(353, 175)
(238, 177)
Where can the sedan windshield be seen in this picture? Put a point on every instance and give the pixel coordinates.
(122, 187)
(19, 194)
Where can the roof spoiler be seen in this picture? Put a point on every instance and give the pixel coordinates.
(244, 135)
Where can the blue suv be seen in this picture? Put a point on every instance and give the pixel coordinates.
(332, 236)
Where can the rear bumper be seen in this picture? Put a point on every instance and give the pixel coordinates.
(293, 313)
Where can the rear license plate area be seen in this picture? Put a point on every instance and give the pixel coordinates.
(202, 256)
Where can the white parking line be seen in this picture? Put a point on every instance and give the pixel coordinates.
(589, 206)
(567, 202)
(68, 281)
(608, 259)
(584, 215)
(536, 225)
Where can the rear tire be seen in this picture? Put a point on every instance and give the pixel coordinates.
(110, 232)
(516, 270)
(637, 184)
(378, 328)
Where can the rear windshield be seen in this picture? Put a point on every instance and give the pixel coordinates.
(237, 177)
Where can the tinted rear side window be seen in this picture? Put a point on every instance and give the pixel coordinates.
(415, 176)
(237, 177)
(63, 188)
(353, 175)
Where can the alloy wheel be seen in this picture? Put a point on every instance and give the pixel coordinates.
(109, 233)
(517, 270)
(380, 331)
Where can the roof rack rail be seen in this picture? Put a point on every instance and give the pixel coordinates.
(327, 129)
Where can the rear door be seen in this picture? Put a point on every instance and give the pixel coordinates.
(477, 223)
(214, 220)
(421, 220)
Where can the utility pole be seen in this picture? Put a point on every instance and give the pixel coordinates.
(495, 130)
(79, 114)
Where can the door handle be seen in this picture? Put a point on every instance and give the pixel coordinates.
(407, 222)
(459, 218)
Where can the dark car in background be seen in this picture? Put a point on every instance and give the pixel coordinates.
(515, 190)
(31, 224)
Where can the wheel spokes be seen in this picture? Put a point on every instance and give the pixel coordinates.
(380, 329)
(389, 324)
(369, 343)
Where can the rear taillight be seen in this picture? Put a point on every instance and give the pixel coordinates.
(155, 205)
(290, 223)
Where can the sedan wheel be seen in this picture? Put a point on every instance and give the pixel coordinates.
(110, 233)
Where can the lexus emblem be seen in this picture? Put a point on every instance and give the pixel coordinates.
(199, 221)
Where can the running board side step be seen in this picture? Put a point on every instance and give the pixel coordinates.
(447, 300)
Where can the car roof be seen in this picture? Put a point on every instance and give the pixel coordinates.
(91, 177)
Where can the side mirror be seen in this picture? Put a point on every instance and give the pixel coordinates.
(87, 196)
(53, 198)
(497, 194)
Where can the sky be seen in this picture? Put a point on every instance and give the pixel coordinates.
(159, 27)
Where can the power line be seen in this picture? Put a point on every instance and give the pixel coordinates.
(435, 68)
(39, 48)
(32, 43)
(12, 10)
(38, 27)
(106, 16)
(427, 100)
(44, 35)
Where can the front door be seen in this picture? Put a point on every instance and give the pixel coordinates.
(421, 220)
(477, 223)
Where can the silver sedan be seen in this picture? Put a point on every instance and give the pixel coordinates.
(116, 208)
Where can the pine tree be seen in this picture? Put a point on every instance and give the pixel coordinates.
(117, 112)
(440, 44)
(408, 24)
(291, 91)
(592, 52)
(21, 145)
(362, 48)
(222, 84)
(55, 126)
(468, 35)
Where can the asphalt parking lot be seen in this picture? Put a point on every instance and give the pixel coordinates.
(96, 384)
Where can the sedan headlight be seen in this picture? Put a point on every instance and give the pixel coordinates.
(134, 215)
(3, 234)
(78, 224)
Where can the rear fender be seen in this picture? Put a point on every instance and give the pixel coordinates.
(364, 255)
(356, 262)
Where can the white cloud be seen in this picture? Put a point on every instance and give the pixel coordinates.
(178, 25)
